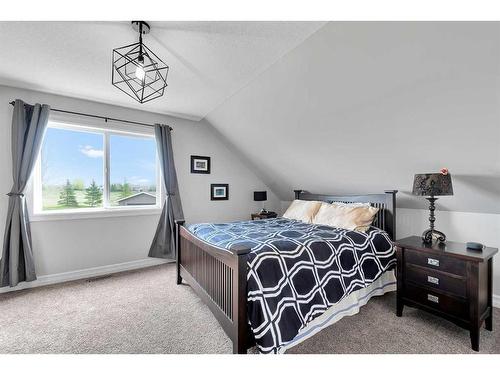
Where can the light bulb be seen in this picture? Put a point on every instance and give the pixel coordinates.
(139, 72)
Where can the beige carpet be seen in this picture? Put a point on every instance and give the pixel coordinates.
(146, 312)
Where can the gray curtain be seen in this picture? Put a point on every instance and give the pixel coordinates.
(28, 127)
(163, 245)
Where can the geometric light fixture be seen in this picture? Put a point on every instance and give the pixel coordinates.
(137, 71)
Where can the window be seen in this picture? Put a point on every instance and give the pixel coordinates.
(132, 170)
(85, 169)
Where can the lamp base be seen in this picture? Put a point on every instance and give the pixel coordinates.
(430, 234)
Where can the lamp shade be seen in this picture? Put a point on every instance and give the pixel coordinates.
(432, 184)
(260, 195)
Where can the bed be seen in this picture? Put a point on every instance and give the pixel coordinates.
(275, 282)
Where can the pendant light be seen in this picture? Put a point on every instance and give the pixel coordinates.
(138, 71)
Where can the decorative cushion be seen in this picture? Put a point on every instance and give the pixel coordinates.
(302, 210)
(346, 216)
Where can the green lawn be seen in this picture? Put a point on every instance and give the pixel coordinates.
(50, 196)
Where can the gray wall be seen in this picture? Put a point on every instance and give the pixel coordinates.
(363, 106)
(71, 245)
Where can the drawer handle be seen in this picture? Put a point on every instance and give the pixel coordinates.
(432, 298)
(433, 280)
(433, 262)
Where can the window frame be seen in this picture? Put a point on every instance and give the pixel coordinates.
(68, 122)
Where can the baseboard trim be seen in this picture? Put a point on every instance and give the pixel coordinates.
(86, 273)
(496, 300)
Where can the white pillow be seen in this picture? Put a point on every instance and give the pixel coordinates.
(302, 210)
(351, 217)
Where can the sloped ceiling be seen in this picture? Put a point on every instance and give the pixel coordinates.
(209, 61)
(361, 107)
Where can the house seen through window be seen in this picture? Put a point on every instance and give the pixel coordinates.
(88, 169)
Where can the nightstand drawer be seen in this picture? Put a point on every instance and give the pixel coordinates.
(452, 306)
(436, 262)
(438, 280)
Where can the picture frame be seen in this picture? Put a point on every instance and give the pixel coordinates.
(219, 192)
(200, 164)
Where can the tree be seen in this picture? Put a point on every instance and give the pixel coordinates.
(78, 184)
(126, 189)
(93, 195)
(67, 198)
(116, 187)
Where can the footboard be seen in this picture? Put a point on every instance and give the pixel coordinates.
(219, 278)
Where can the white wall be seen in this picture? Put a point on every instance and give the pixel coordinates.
(458, 226)
(71, 245)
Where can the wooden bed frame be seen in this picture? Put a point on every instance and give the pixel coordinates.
(219, 277)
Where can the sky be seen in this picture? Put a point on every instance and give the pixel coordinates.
(68, 154)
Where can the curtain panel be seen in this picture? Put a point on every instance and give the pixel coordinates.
(28, 127)
(163, 245)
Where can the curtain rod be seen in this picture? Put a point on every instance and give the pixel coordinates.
(106, 119)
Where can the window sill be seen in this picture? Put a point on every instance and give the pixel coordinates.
(94, 214)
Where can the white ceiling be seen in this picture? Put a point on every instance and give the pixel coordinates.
(209, 61)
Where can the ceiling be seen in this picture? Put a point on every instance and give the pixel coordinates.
(375, 103)
(209, 61)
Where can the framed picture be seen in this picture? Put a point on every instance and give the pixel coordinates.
(200, 164)
(219, 192)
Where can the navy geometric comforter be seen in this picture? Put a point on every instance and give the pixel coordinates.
(296, 271)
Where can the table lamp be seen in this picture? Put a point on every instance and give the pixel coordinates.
(432, 185)
(260, 196)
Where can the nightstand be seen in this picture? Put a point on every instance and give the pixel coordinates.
(447, 280)
(269, 215)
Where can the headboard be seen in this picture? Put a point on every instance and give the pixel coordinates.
(386, 202)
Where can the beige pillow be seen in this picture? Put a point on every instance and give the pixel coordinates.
(352, 204)
(351, 217)
(302, 210)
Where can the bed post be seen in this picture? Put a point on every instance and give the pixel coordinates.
(240, 338)
(178, 224)
(390, 213)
